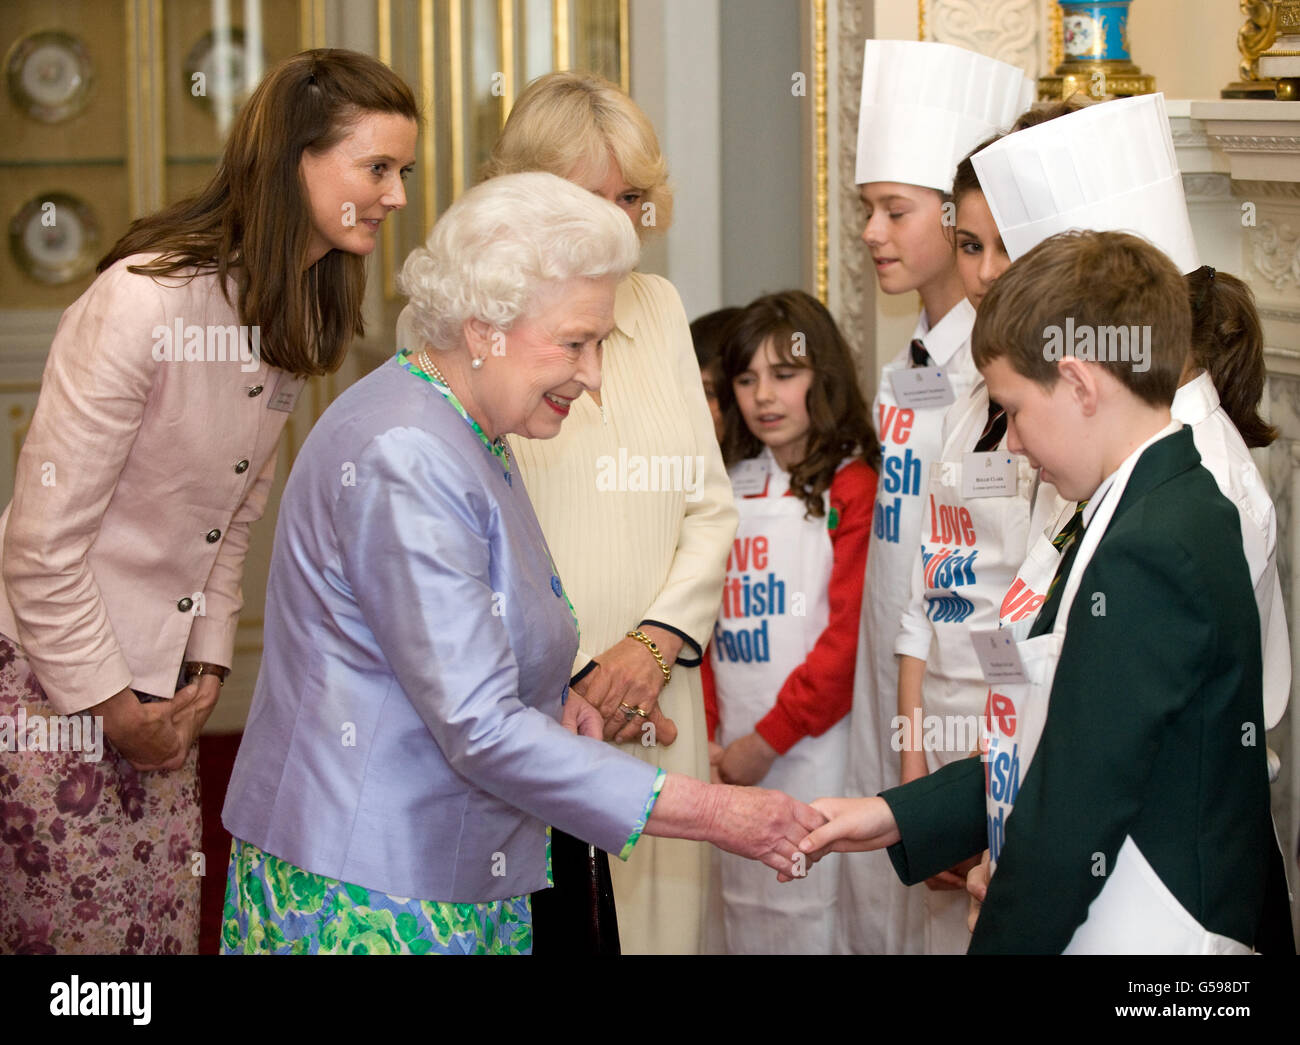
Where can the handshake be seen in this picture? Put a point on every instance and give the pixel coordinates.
(788, 835)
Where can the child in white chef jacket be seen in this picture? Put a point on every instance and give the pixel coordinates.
(978, 521)
(801, 452)
(1226, 358)
(1218, 398)
(924, 106)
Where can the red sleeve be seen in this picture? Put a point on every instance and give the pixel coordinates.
(819, 692)
(710, 693)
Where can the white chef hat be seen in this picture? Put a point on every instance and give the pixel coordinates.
(1108, 167)
(926, 105)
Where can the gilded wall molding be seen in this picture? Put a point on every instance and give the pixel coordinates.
(855, 282)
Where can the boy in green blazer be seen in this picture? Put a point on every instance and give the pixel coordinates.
(1141, 820)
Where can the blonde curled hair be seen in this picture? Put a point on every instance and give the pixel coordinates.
(569, 121)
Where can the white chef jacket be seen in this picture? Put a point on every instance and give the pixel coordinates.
(877, 915)
(1226, 456)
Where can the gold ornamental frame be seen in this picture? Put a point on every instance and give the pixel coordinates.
(441, 26)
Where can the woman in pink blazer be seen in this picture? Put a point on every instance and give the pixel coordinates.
(151, 452)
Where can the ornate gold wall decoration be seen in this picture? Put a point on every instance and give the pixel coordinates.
(1254, 38)
(821, 234)
(440, 46)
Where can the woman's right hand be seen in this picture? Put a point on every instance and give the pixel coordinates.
(764, 825)
(147, 735)
(748, 821)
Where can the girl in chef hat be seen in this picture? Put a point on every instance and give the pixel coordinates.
(972, 543)
(802, 456)
(924, 106)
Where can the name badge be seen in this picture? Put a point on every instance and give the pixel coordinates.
(989, 474)
(749, 477)
(284, 394)
(921, 388)
(999, 658)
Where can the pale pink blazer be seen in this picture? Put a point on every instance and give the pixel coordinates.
(124, 545)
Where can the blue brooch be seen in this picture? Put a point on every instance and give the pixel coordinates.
(557, 587)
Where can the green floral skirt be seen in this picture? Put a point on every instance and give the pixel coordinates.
(274, 907)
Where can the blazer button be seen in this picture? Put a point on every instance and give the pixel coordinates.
(242, 467)
(214, 536)
(185, 605)
(254, 390)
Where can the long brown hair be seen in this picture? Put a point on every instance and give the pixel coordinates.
(253, 220)
(839, 423)
(1228, 342)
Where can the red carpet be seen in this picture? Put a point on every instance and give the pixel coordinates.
(216, 760)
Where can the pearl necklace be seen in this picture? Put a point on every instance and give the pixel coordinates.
(425, 362)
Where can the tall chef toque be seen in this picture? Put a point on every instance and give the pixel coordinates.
(1109, 167)
(926, 105)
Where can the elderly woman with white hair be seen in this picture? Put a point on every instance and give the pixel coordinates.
(643, 548)
(405, 750)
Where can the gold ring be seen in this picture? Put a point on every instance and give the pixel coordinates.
(642, 713)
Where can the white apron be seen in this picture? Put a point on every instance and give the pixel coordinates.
(878, 914)
(970, 549)
(775, 607)
(1135, 913)
(1028, 591)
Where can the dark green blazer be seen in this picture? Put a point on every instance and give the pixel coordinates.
(1155, 730)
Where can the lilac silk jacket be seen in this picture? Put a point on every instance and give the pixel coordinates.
(404, 734)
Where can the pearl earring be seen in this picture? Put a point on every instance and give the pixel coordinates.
(477, 363)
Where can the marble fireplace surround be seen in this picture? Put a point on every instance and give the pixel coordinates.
(1241, 171)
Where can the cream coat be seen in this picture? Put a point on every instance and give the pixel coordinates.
(629, 555)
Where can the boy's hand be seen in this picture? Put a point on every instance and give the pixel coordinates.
(854, 825)
(912, 766)
(747, 760)
(954, 877)
(977, 885)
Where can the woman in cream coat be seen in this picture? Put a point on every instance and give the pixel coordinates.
(632, 496)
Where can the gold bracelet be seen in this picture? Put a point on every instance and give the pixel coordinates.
(195, 669)
(649, 644)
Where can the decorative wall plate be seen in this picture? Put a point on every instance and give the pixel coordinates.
(223, 66)
(54, 238)
(49, 75)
